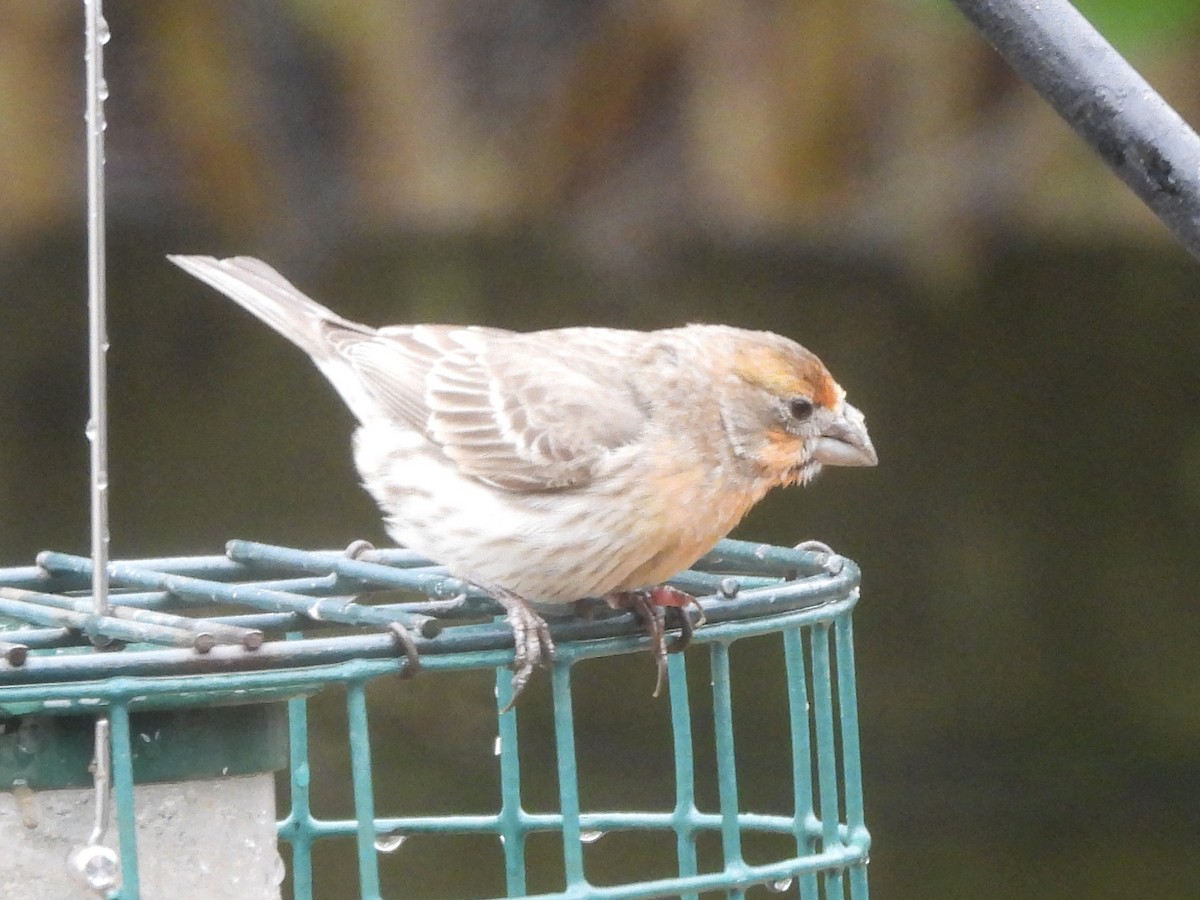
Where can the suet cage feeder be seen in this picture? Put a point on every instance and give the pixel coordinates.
(203, 671)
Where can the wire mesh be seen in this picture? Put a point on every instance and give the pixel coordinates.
(264, 624)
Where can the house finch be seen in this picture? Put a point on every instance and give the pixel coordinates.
(568, 463)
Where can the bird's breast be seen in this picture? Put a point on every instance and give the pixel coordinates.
(679, 509)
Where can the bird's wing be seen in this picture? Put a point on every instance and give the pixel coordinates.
(524, 412)
(392, 365)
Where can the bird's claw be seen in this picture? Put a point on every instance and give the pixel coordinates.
(646, 605)
(686, 630)
(666, 596)
(533, 647)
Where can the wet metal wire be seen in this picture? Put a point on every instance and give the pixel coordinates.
(95, 864)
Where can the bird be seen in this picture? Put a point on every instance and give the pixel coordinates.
(569, 463)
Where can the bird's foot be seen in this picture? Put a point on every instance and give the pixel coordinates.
(533, 647)
(646, 604)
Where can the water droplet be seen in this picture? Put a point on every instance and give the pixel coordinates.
(102, 89)
(278, 870)
(496, 746)
(90, 430)
(314, 611)
(590, 837)
(103, 34)
(389, 843)
(95, 866)
(778, 887)
(27, 804)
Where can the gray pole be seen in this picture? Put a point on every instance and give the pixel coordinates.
(1104, 99)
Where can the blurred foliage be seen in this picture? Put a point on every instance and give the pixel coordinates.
(884, 128)
(1135, 26)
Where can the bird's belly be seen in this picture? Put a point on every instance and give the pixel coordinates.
(555, 546)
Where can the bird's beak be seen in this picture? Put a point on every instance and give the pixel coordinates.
(846, 442)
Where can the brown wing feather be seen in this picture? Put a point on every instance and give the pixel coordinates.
(532, 412)
(522, 412)
(392, 365)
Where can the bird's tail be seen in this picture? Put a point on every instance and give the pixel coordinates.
(253, 284)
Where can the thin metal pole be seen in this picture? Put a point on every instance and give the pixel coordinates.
(102, 779)
(96, 35)
(96, 32)
(1133, 129)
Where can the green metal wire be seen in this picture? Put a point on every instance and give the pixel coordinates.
(685, 771)
(802, 599)
(297, 828)
(805, 821)
(731, 834)
(851, 764)
(364, 794)
(511, 822)
(122, 760)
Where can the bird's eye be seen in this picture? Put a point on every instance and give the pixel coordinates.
(800, 408)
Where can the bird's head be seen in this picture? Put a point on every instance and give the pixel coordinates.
(783, 411)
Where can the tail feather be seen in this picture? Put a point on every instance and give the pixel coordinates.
(319, 332)
(258, 288)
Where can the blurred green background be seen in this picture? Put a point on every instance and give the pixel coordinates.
(867, 178)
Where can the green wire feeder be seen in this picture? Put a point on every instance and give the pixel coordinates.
(265, 627)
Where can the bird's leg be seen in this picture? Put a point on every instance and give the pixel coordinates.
(646, 604)
(532, 644)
